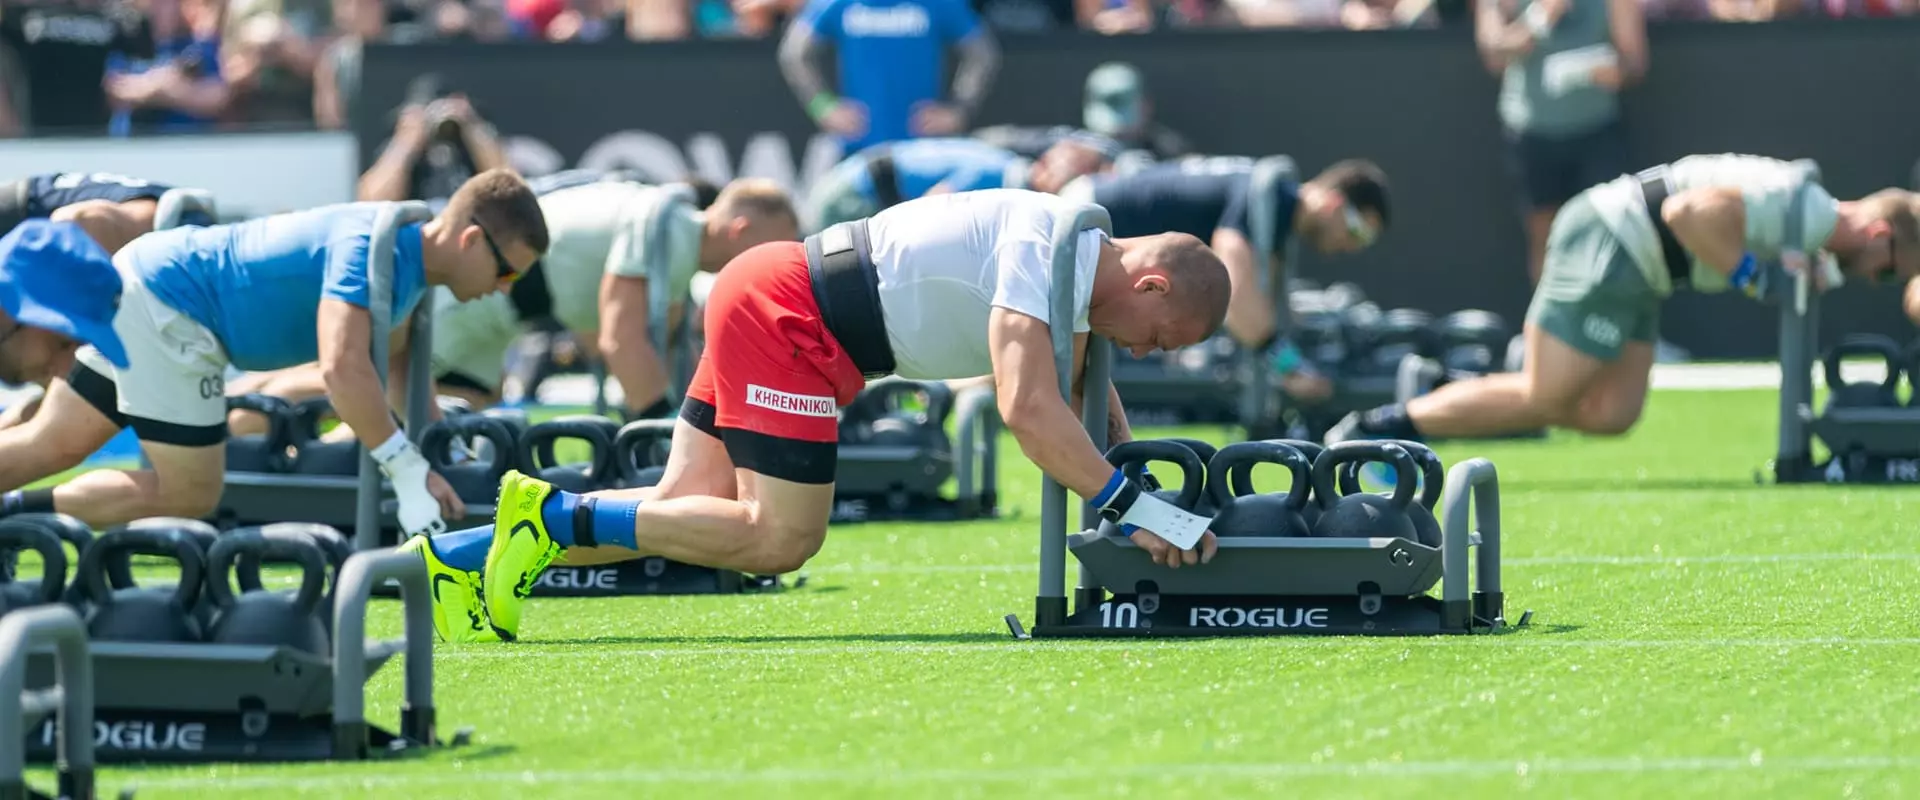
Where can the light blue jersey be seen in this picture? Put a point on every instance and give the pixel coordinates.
(257, 285)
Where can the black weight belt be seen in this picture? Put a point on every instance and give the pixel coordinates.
(531, 298)
(846, 286)
(1653, 186)
(886, 181)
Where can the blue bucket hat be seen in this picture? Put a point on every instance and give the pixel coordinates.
(55, 277)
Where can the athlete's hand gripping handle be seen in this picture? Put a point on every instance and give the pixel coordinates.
(407, 468)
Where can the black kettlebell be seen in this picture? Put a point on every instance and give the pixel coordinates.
(1841, 394)
(264, 617)
(311, 455)
(135, 614)
(262, 452)
(33, 532)
(1205, 506)
(537, 455)
(331, 542)
(1244, 512)
(74, 533)
(892, 421)
(120, 567)
(640, 451)
(1311, 450)
(1471, 341)
(477, 480)
(1131, 457)
(1433, 477)
(1400, 333)
(1364, 514)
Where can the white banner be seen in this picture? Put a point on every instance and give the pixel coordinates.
(249, 174)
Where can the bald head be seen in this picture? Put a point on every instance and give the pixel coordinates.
(1171, 292)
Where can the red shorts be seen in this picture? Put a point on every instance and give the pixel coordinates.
(772, 378)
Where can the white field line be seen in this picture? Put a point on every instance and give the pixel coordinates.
(694, 650)
(882, 568)
(1100, 774)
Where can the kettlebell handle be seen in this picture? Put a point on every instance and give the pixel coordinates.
(1131, 457)
(436, 443)
(877, 398)
(170, 543)
(1865, 344)
(304, 419)
(635, 435)
(1233, 467)
(43, 538)
(1328, 463)
(268, 547)
(536, 446)
(280, 418)
(1205, 450)
(1432, 473)
(330, 541)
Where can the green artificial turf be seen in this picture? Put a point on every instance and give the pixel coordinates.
(1694, 635)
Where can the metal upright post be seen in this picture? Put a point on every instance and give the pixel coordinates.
(1263, 188)
(386, 231)
(1050, 605)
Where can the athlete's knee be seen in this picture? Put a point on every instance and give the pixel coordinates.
(193, 493)
(1606, 414)
(783, 545)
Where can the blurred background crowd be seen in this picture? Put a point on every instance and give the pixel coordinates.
(120, 66)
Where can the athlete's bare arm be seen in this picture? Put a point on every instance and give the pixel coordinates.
(1028, 389)
(345, 333)
(1912, 300)
(624, 343)
(1249, 314)
(1711, 223)
(111, 224)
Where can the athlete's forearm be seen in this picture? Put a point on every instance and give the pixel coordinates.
(1711, 223)
(355, 389)
(1052, 438)
(979, 61)
(800, 51)
(1118, 430)
(1911, 302)
(631, 360)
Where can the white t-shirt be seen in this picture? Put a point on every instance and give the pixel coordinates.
(613, 227)
(945, 261)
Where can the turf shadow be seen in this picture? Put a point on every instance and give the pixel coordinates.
(845, 638)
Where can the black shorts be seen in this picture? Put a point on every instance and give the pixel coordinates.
(1551, 171)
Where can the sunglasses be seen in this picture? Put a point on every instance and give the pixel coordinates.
(1357, 226)
(503, 269)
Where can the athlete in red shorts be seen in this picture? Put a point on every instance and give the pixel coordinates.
(945, 287)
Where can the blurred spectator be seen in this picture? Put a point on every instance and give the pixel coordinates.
(1115, 16)
(53, 63)
(268, 62)
(1864, 8)
(180, 87)
(1749, 10)
(1117, 107)
(891, 56)
(1285, 13)
(1561, 64)
(568, 20)
(438, 143)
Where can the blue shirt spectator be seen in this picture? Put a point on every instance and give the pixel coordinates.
(891, 55)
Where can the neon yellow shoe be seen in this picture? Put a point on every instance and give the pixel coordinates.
(521, 550)
(458, 613)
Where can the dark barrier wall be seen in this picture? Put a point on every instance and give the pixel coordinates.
(1844, 93)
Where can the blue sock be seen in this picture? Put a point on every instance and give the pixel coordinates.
(463, 550)
(610, 520)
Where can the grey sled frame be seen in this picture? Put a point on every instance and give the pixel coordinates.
(1462, 607)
